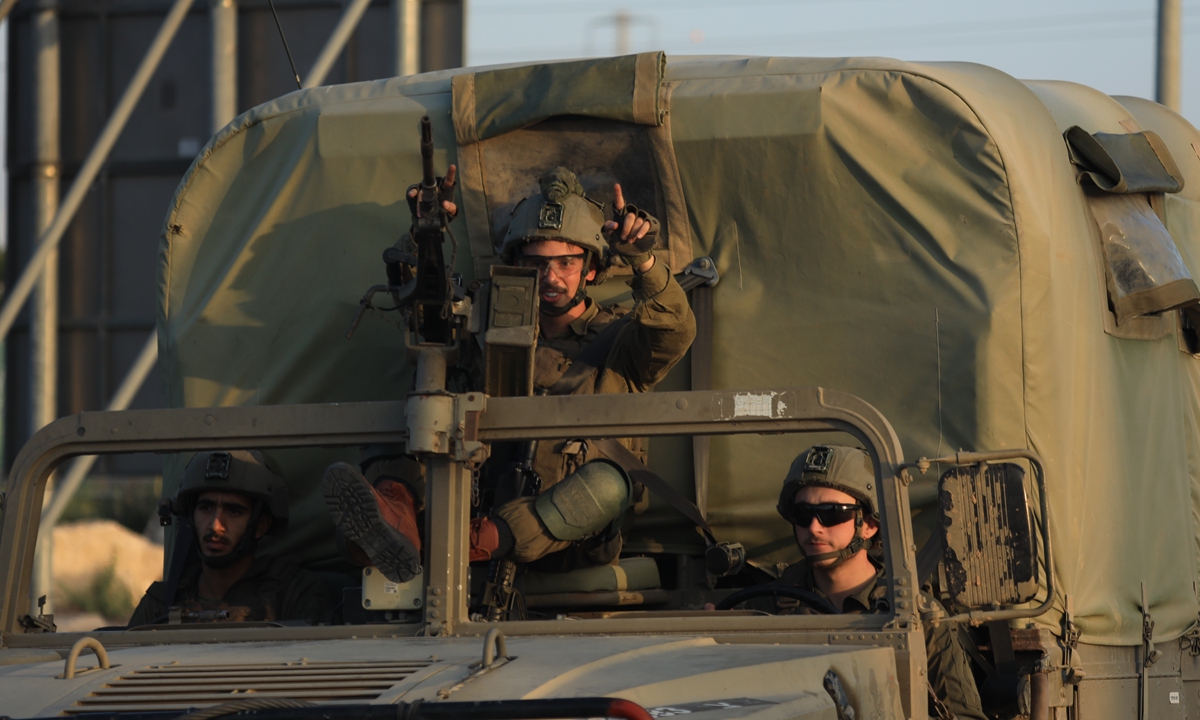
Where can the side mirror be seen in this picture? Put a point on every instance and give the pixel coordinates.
(989, 557)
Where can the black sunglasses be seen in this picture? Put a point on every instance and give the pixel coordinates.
(828, 514)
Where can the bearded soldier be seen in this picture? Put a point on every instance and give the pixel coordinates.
(228, 501)
(828, 497)
(582, 349)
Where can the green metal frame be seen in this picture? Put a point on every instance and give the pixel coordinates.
(481, 419)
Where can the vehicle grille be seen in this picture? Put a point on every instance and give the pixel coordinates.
(178, 687)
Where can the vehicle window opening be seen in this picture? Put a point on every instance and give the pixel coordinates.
(1189, 330)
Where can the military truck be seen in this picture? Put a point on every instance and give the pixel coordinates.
(986, 283)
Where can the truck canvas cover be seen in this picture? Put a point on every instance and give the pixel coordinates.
(919, 235)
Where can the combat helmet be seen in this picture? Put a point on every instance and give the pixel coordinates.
(249, 472)
(845, 469)
(561, 211)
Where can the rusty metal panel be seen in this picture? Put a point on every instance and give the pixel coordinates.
(990, 556)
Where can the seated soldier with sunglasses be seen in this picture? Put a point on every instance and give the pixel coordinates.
(828, 497)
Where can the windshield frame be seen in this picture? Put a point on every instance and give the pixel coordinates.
(782, 410)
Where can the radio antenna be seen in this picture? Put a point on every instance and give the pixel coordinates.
(285, 45)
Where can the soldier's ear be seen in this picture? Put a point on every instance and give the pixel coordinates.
(870, 527)
(264, 524)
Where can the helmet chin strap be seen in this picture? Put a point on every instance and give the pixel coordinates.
(244, 547)
(580, 293)
(840, 556)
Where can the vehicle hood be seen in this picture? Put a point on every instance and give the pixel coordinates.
(670, 675)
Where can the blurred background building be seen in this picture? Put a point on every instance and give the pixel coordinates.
(69, 63)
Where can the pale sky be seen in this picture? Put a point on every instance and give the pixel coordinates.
(1107, 44)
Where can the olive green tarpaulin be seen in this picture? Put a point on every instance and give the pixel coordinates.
(493, 102)
(913, 234)
(1124, 162)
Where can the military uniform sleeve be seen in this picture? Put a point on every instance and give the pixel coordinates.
(950, 672)
(150, 608)
(658, 335)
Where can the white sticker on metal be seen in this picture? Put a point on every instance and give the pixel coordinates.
(752, 404)
(391, 588)
(1175, 698)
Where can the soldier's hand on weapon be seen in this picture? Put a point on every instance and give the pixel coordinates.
(445, 193)
(631, 233)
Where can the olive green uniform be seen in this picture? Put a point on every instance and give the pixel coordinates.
(949, 667)
(273, 589)
(656, 336)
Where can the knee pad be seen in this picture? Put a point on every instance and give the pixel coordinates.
(586, 501)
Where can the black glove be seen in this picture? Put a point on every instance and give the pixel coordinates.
(638, 251)
(445, 193)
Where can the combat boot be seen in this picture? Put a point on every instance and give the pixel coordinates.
(489, 537)
(381, 520)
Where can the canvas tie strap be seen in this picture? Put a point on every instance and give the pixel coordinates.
(702, 370)
(638, 471)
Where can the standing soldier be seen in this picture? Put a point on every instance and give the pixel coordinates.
(582, 349)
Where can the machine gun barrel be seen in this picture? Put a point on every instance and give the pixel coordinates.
(428, 192)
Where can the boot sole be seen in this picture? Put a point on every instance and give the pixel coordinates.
(352, 506)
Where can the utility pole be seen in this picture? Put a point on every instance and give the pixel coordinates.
(622, 22)
(407, 15)
(223, 17)
(43, 315)
(1170, 51)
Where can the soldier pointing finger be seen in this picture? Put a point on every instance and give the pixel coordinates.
(582, 349)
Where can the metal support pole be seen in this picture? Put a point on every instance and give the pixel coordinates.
(622, 22)
(223, 15)
(466, 6)
(134, 379)
(43, 316)
(407, 15)
(74, 477)
(446, 517)
(337, 42)
(91, 166)
(1170, 52)
(6, 7)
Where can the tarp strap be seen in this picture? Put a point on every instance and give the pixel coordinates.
(968, 643)
(702, 371)
(475, 212)
(638, 472)
(1002, 647)
(674, 207)
(928, 558)
(1124, 163)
